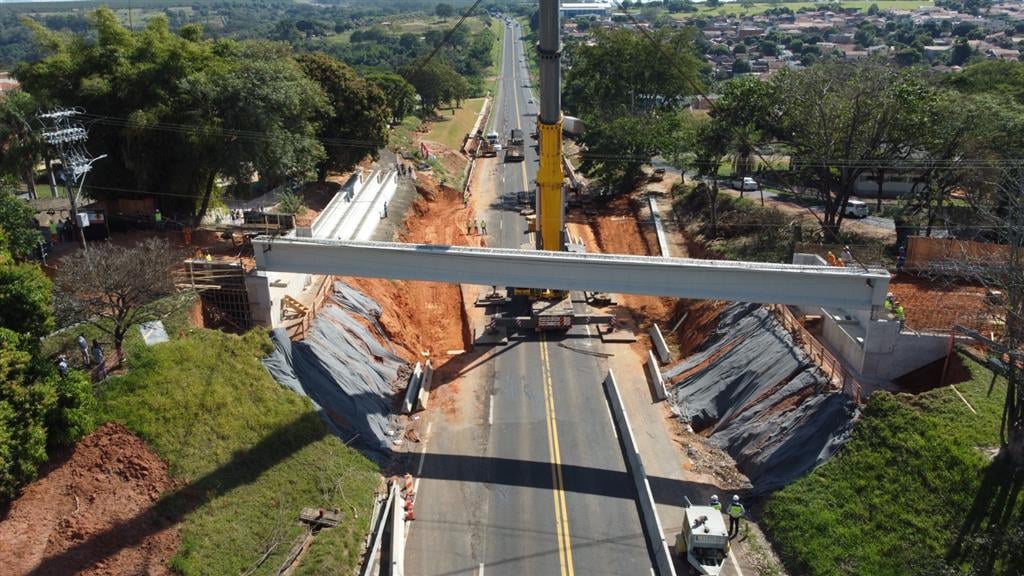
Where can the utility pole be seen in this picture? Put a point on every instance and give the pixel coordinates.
(69, 141)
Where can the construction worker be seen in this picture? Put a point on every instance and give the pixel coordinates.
(475, 226)
(53, 232)
(483, 227)
(158, 219)
(899, 313)
(715, 503)
(889, 299)
(832, 260)
(846, 256)
(736, 512)
(469, 226)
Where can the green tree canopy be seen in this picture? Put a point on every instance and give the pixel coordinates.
(18, 229)
(399, 94)
(357, 123)
(436, 83)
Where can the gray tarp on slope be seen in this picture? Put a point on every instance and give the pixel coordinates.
(343, 368)
(747, 399)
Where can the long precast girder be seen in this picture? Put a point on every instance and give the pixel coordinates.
(850, 288)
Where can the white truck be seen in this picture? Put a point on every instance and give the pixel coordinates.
(703, 541)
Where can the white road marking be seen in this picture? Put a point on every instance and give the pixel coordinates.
(481, 573)
(423, 455)
(490, 412)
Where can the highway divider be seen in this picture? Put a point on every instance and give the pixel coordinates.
(648, 510)
(664, 354)
(654, 375)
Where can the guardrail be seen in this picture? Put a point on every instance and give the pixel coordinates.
(832, 367)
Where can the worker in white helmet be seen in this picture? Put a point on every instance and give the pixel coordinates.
(715, 503)
(736, 512)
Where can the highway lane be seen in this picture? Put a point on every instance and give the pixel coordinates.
(537, 484)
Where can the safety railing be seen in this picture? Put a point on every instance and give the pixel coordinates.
(832, 367)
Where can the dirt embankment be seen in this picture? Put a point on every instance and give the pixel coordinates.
(110, 477)
(418, 316)
(616, 230)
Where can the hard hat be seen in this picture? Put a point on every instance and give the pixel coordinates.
(889, 295)
(714, 497)
(735, 497)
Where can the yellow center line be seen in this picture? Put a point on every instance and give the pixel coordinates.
(561, 510)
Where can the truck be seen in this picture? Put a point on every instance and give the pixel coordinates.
(514, 148)
(487, 146)
(703, 541)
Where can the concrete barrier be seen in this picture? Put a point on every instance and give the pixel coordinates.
(659, 344)
(412, 391)
(426, 383)
(371, 566)
(654, 375)
(648, 511)
(396, 524)
(662, 241)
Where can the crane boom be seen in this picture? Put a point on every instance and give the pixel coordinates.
(550, 200)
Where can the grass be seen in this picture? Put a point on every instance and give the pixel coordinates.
(909, 488)
(735, 8)
(249, 455)
(450, 130)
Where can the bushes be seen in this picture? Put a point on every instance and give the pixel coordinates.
(38, 408)
(736, 228)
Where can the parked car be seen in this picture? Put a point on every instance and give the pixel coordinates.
(657, 175)
(746, 183)
(855, 209)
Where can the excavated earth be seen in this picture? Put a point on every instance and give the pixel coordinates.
(111, 477)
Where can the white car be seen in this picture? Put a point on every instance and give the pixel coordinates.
(855, 209)
(746, 183)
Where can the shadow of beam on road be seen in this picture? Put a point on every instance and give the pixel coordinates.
(628, 540)
(532, 474)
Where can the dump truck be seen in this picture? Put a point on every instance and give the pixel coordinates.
(514, 148)
(485, 146)
(703, 541)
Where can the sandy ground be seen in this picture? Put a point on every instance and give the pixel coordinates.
(109, 478)
(939, 304)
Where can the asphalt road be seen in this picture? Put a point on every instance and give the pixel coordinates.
(536, 483)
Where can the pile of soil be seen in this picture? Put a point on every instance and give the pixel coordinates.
(66, 517)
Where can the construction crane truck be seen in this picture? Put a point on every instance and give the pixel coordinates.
(549, 309)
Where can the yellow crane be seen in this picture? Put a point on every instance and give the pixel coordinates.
(550, 198)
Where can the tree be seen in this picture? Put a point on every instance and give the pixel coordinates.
(624, 72)
(115, 287)
(20, 233)
(711, 146)
(1002, 209)
(616, 148)
(399, 94)
(20, 144)
(436, 83)
(357, 124)
(961, 53)
(444, 11)
(841, 120)
(38, 409)
(741, 66)
(210, 108)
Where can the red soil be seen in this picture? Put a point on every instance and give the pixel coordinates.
(110, 477)
(938, 305)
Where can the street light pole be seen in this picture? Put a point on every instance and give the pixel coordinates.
(69, 141)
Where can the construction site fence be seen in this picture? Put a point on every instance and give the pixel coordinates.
(868, 255)
(925, 254)
(832, 367)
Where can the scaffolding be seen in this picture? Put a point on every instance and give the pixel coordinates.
(221, 288)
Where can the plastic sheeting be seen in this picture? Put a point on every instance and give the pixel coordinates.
(348, 371)
(761, 398)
